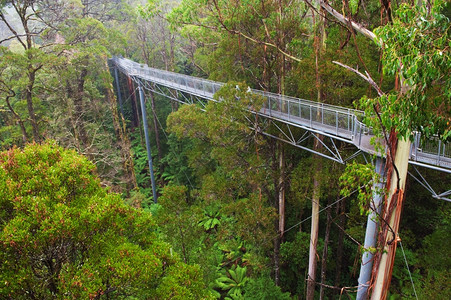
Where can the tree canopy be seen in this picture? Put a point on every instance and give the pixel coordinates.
(241, 214)
(63, 235)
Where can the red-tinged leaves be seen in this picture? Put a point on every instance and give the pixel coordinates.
(62, 235)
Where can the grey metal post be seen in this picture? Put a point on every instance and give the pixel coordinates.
(289, 103)
(438, 152)
(146, 134)
(119, 96)
(349, 129)
(336, 120)
(310, 116)
(371, 232)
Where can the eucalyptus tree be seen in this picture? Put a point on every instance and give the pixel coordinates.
(59, 71)
(415, 47)
(32, 58)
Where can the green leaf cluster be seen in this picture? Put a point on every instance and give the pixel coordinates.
(417, 48)
(63, 236)
(360, 177)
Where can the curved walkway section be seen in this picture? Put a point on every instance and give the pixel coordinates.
(329, 120)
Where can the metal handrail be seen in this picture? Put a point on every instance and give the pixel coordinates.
(338, 121)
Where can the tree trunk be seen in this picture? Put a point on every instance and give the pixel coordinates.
(388, 239)
(281, 191)
(31, 72)
(311, 280)
(277, 197)
(17, 117)
(325, 250)
(124, 142)
(281, 209)
(341, 208)
(155, 125)
(71, 115)
(314, 227)
(135, 106)
(79, 108)
(29, 98)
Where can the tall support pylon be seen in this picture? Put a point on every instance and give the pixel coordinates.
(146, 134)
(371, 231)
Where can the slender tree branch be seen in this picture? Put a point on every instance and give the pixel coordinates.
(366, 77)
(356, 26)
(16, 35)
(238, 32)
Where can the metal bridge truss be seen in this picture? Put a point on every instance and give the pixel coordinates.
(295, 121)
(293, 134)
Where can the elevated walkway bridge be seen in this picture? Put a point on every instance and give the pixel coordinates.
(287, 113)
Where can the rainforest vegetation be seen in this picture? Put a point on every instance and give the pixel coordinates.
(240, 214)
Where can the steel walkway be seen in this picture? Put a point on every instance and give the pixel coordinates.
(334, 122)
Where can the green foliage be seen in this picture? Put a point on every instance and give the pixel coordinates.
(233, 281)
(263, 288)
(177, 170)
(63, 236)
(295, 255)
(416, 46)
(211, 219)
(151, 9)
(360, 177)
(353, 5)
(401, 281)
(177, 221)
(141, 166)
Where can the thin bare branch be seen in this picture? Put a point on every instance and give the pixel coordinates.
(366, 77)
(16, 35)
(356, 26)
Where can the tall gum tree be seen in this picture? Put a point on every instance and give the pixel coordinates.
(320, 45)
(406, 49)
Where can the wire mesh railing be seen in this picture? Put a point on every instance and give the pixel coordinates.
(333, 120)
(431, 151)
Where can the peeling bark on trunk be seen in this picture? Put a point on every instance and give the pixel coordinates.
(388, 238)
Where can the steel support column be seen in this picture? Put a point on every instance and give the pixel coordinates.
(371, 232)
(146, 134)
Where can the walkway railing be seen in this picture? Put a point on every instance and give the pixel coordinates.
(334, 121)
